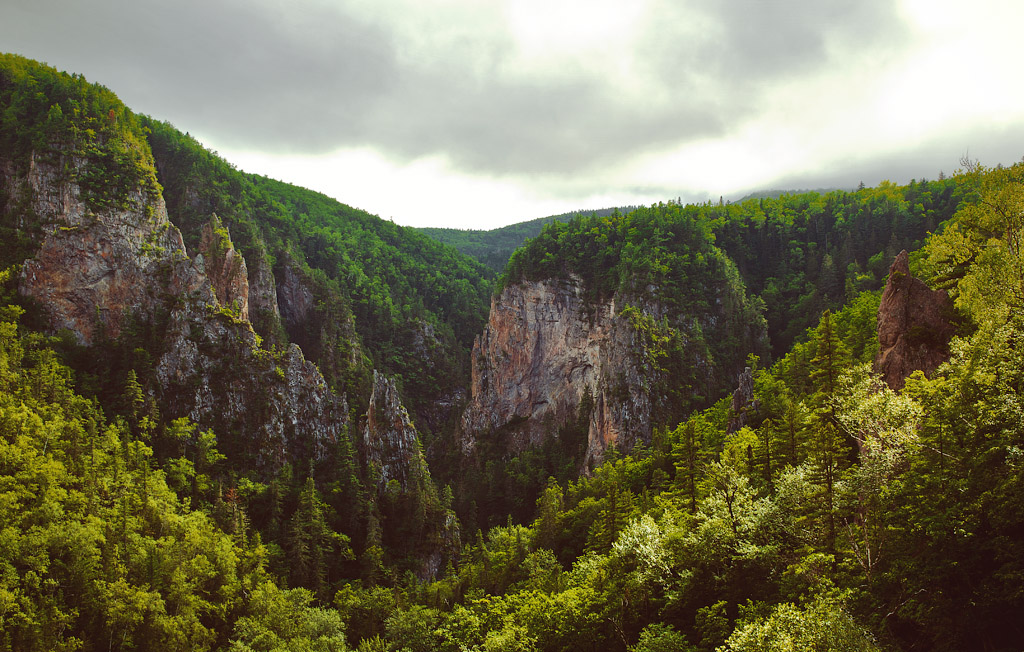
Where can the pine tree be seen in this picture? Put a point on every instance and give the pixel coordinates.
(309, 541)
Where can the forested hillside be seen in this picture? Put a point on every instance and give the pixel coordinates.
(800, 252)
(175, 474)
(842, 515)
(493, 247)
(409, 298)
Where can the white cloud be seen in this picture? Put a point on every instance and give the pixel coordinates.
(477, 114)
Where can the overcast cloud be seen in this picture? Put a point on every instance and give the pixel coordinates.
(426, 111)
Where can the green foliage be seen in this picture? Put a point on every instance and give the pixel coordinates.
(286, 621)
(494, 247)
(843, 515)
(822, 625)
(807, 252)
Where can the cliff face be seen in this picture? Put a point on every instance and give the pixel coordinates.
(913, 326)
(389, 437)
(225, 268)
(744, 406)
(91, 271)
(97, 272)
(541, 357)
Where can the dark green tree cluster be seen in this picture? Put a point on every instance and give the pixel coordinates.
(808, 252)
(494, 247)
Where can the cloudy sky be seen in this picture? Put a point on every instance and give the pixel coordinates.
(476, 114)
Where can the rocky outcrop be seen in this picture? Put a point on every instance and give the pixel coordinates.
(97, 272)
(389, 437)
(262, 287)
(914, 326)
(744, 406)
(225, 268)
(294, 297)
(92, 272)
(542, 359)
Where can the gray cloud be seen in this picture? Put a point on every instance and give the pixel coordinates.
(990, 145)
(310, 79)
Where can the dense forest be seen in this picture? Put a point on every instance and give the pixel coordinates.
(838, 513)
(493, 247)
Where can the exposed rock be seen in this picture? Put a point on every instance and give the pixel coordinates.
(294, 298)
(262, 287)
(744, 406)
(225, 268)
(92, 271)
(447, 551)
(541, 357)
(913, 326)
(389, 437)
(96, 272)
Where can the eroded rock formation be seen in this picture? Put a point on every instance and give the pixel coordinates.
(97, 272)
(744, 406)
(389, 436)
(92, 271)
(913, 325)
(541, 357)
(225, 268)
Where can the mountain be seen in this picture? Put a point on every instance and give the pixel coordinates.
(237, 414)
(354, 291)
(493, 247)
(197, 336)
(593, 313)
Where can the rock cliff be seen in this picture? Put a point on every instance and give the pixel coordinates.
(96, 273)
(389, 436)
(744, 406)
(913, 325)
(225, 268)
(542, 358)
(92, 271)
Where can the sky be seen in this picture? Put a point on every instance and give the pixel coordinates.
(477, 113)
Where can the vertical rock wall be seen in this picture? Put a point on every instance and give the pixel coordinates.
(541, 356)
(95, 273)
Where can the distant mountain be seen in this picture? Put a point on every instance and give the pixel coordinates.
(775, 193)
(494, 247)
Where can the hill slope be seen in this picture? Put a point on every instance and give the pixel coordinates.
(494, 247)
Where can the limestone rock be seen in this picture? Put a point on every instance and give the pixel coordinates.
(96, 273)
(541, 357)
(225, 268)
(389, 437)
(913, 325)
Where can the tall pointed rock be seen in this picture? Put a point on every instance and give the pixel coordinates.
(914, 325)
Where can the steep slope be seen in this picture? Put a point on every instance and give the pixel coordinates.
(355, 291)
(600, 328)
(493, 247)
(806, 252)
(105, 268)
(159, 332)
